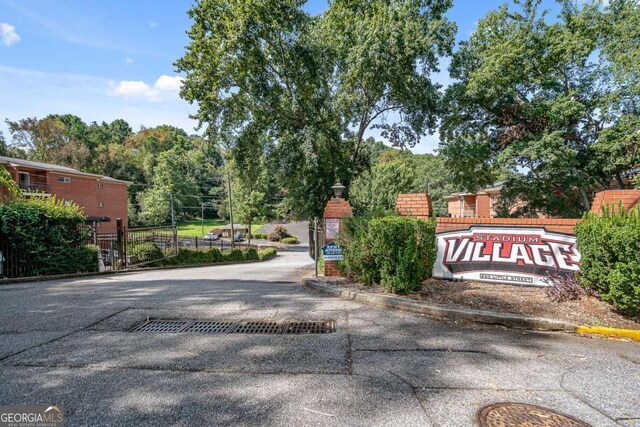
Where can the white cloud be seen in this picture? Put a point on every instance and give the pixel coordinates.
(8, 34)
(29, 93)
(136, 89)
(128, 60)
(169, 83)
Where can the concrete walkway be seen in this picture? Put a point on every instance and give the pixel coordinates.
(66, 342)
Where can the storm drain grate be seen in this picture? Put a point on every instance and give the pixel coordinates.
(258, 328)
(521, 414)
(162, 326)
(310, 327)
(210, 327)
(245, 327)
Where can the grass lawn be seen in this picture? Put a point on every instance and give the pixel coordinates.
(193, 228)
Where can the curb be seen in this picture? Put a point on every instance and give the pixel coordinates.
(35, 279)
(632, 334)
(441, 312)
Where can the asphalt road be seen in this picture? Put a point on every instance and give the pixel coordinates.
(66, 342)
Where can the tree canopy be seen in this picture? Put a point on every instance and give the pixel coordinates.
(555, 101)
(314, 85)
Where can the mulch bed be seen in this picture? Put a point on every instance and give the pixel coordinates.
(514, 299)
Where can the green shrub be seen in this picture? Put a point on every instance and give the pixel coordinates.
(251, 255)
(260, 236)
(193, 257)
(145, 252)
(610, 257)
(279, 233)
(290, 240)
(233, 255)
(83, 259)
(267, 253)
(404, 250)
(359, 263)
(49, 233)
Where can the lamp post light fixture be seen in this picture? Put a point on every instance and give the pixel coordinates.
(338, 189)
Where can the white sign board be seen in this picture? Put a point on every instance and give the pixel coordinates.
(514, 255)
(332, 227)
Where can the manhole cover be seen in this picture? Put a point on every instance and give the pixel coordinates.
(310, 327)
(162, 326)
(522, 415)
(258, 328)
(210, 327)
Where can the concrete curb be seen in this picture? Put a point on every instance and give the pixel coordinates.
(34, 279)
(632, 334)
(441, 312)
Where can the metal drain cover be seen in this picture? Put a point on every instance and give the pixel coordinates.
(509, 414)
(162, 326)
(310, 327)
(210, 327)
(243, 327)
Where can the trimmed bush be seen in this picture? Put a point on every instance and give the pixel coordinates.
(610, 249)
(290, 240)
(397, 252)
(145, 252)
(72, 260)
(259, 236)
(279, 233)
(48, 236)
(404, 250)
(233, 255)
(193, 257)
(251, 255)
(267, 253)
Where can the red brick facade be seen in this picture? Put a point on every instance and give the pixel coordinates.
(558, 225)
(98, 196)
(416, 205)
(406, 204)
(613, 198)
(336, 209)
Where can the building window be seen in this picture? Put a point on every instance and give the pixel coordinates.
(100, 185)
(100, 205)
(23, 180)
(64, 179)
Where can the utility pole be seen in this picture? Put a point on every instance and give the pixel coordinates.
(173, 226)
(202, 215)
(233, 245)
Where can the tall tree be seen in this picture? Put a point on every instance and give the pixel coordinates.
(538, 96)
(268, 65)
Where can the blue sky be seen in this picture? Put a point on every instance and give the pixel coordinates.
(108, 59)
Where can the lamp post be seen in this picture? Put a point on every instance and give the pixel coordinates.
(338, 188)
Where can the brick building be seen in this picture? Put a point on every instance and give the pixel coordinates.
(99, 196)
(483, 203)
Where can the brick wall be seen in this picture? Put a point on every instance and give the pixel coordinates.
(612, 199)
(559, 225)
(483, 205)
(417, 205)
(408, 204)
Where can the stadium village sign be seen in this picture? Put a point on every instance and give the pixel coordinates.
(518, 255)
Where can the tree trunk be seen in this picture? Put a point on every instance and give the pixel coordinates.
(586, 204)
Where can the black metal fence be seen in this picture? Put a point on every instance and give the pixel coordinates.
(128, 247)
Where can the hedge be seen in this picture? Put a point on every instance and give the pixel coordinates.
(233, 255)
(290, 240)
(48, 236)
(609, 246)
(397, 252)
(251, 255)
(145, 252)
(267, 253)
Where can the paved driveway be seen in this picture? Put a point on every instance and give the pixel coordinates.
(66, 342)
